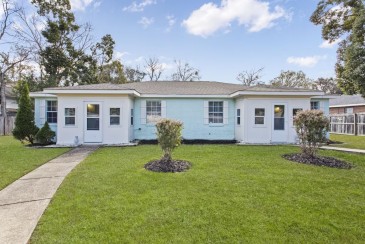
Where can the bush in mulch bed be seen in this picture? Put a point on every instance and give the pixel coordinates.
(318, 160)
(163, 165)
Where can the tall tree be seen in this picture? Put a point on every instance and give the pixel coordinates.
(293, 79)
(11, 53)
(185, 72)
(250, 77)
(327, 85)
(112, 73)
(154, 68)
(134, 74)
(345, 19)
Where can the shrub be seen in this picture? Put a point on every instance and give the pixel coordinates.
(45, 135)
(311, 127)
(25, 128)
(168, 136)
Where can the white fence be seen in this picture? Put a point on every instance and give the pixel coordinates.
(350, 124)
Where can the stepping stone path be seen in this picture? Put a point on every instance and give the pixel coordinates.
(23, 202)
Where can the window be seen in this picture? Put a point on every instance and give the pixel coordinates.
(132, 115)
(70, 116)
(238, 116)
(259, 116)
(52, 112)
(315, 105)
(114, 116)
(93, 117)
(216, 112)
(153, 111)
(349, 110)
(279, 117)
(295, 112)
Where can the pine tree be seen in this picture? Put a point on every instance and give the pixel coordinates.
(25, 128)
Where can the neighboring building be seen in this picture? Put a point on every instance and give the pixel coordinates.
(347, 104)
(117, 114)
(11, 102)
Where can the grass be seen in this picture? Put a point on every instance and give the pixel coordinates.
(17, 160)
(348, 141)
(232, 194)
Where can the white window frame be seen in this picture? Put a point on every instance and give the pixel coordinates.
(70, 116)
(238, 116)
(114, 116)
(152, 113)
(315, 105)
(215, 117)
(53, 111)
(259, 116)
(132, 117)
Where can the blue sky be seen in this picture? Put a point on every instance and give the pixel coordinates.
(220, 38)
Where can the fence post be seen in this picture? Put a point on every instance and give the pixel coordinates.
(355, 124)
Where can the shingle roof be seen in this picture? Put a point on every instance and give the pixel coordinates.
(182, 88)
(344, 100)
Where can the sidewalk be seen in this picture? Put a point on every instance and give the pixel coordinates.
(343, 149)
(23, 202)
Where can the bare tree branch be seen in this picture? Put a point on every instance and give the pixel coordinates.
(250, 77)
(184, 72)
(153, 68)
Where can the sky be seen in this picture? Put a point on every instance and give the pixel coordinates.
(219, 37)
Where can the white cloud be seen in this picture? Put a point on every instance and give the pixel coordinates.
(255, 15)
(327, 44)
(97, 4)
(80, 5)
(145, 22)
(120, 55)
(309, 61)
(171, 20)
(139, 7)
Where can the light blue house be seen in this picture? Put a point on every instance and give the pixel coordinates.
(120, 113)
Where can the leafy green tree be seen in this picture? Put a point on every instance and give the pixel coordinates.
(112, 72)
(311, 127)
(327, 85)
(134, 74)
(25, 128)
(169, 136)
(45, 135)
(345, 19)
(293, 79)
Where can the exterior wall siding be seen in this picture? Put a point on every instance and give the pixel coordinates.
(191, 112)
(341, 110)
(40, 104)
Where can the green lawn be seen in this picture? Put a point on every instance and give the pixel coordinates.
(16, 159)
(348, 141)
(232, 194)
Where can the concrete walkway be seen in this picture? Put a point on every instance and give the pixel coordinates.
(23, 202)
(342, 149)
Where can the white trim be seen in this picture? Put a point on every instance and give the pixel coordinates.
(183, 96)
(123, 92)
(270, 93)
(347, 105)
(41, 95)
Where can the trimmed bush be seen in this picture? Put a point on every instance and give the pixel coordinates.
(45, 135)
(25, 128)
(168, 136)
(311, 127)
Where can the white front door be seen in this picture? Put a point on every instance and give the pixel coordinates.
(92, 125)
(280, 123)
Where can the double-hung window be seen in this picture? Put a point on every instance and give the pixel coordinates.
(315, 105)
(51, 112)
(238, 116)
(70, 114)
(132, 116)
(114, 116)
(216, 112)
(259, 116)
(153, 111)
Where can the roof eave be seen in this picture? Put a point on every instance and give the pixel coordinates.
(276, 93)
(118, 92)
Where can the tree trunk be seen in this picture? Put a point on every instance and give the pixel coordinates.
(3, 95)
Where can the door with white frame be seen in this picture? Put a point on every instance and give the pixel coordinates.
(280, 123)
(93, 122)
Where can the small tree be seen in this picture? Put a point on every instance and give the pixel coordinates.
(169, 136)
(25, 128)
(311, 127)
(45, 135)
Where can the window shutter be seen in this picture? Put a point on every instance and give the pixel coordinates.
(143, 112)
(225, 112)
(206, 112)
(42, 112)
(163, 109)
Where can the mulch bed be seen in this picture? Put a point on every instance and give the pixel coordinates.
(318, 160)
(166, 166)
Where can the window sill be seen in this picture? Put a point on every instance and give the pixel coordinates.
(69, 126)
(259, 126)
(114, 126)
(216, 124)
